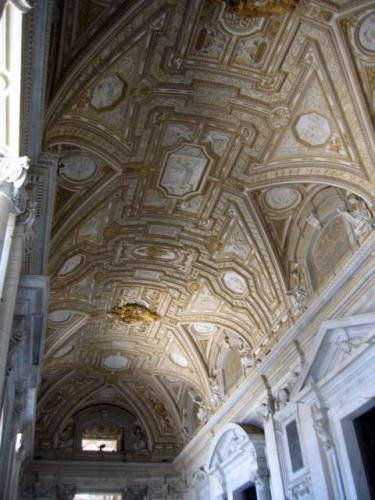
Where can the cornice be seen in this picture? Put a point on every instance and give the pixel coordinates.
(244, 400)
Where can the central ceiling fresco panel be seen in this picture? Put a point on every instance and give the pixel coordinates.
(205, 159)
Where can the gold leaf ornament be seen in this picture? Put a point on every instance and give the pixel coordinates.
(134, 313)
(250, 8)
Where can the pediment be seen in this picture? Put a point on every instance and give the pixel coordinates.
(337, 343)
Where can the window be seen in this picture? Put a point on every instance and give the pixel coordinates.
(99, 444)
(102, 436)
(98, 496)
(295, 452)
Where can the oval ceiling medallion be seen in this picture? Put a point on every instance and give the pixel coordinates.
(366, 33)
(240, 25)
(173, 381)
(59, 316)
(204, 328)
(78, 168)
(155, 252)
(107, 92)
(63, 351)
(234, 282)
(70, 264)
(179, 360)
(107, 393)
(115, 362)
(282, 198)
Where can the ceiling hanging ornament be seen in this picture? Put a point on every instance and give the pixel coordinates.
(134, 313)
(249, 8)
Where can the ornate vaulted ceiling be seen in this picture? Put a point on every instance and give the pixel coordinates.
(206, 166)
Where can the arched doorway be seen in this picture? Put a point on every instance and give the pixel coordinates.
(237, 465)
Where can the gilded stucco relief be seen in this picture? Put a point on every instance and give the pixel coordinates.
(207, 162)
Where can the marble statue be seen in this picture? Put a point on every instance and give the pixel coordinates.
(139, 438)
(298, 297)
(202, 412)
(247, 356)
(358, 215)
(215, 390)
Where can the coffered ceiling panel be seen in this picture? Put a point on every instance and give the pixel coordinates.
(207, 162)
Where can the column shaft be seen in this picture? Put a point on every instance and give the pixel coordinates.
(5, 208)
(277, 488)
(7, 305)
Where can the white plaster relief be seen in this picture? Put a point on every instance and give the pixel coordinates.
(184, 170)
(179, 360)
(145, 274)
(234, 282)
(176, 132)
(240, 25)
(366, 33)
(205, 300)
(313, 128)
(204, 328)
(163, 230)
(78, 168)
(154, 198)
(217, 140)
(237, 244)
(91, 227)
(115, 362)
(59, 316)
(251, 51)
(71, 264)
(191, 205)
(107, 92)
(107, 393)
(282, 198)
(156, 253)
(64, 351)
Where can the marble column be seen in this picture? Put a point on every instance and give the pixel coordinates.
(7, 305)
(5, 209)
(13, 172)
(273, 459)
(262, 484)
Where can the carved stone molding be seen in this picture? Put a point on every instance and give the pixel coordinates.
(321, 426)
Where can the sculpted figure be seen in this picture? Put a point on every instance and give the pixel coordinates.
(215, 390)
(313, 221)
(185, 428)
(358, 215)
(139, 438)
(202, 413)
(65, 439)
(298, 297)
(248, 358)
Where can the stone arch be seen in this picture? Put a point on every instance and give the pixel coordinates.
(94, 415)
(237, 458)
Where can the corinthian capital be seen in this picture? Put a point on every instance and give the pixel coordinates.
(13, 170)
